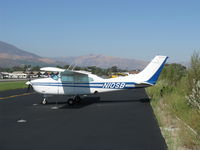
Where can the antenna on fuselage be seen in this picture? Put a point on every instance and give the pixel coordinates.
(74, 67)
(69, 66)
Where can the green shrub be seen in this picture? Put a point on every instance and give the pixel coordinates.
(173, 73)
(194, 98)
(194, 70)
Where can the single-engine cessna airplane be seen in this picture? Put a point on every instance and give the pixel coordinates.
(76, 83)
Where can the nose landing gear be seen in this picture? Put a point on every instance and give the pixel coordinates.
(44, 101)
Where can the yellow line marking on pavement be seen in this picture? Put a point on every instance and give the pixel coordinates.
(12, 96)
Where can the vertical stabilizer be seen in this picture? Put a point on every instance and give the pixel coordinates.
(152, 71)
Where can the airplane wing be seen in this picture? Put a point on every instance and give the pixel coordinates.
(76, 72)
(64, 71)
(53, 69)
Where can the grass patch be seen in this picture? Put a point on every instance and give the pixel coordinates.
(168, 103)
(12, 85)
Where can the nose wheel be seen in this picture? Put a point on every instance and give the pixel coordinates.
(44, 101)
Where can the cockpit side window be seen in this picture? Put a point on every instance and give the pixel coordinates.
(67, 78)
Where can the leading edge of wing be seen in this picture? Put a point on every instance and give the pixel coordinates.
(64, 71)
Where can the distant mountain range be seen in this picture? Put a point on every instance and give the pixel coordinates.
(103, 61)
(12, 56)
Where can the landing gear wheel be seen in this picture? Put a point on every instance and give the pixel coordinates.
(77, 99)
(44, 101)
(70, 101)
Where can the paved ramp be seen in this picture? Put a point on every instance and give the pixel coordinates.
(116, 121)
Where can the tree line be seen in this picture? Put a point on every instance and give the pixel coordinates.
(93, 69)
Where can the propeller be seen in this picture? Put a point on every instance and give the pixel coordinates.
(29, 86)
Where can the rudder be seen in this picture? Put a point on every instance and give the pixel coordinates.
(152, 71)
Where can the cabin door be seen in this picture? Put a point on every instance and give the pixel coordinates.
(67, 82)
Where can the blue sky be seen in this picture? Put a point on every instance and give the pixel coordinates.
(125, 28)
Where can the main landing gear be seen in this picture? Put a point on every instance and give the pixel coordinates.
(71, 101)
(75, 100)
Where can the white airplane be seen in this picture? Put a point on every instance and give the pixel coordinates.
(76, 83)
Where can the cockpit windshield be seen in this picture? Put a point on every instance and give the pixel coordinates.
(54, 75)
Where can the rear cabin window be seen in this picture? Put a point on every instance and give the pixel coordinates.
(76, 78)
(91, 79)
(81, 79)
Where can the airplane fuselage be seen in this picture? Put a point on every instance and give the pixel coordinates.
(75, 83)
(58, 87)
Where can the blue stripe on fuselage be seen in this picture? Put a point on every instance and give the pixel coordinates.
(156, 75)
(104, 85)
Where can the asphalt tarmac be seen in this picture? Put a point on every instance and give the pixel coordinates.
(114, 121)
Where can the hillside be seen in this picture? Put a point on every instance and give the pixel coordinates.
(11, 56)
(104, 61)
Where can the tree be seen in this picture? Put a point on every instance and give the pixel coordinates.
(66, 66)
(173, 73)
(17, 68)
(194, 70)
(114, 69)
(36, 68)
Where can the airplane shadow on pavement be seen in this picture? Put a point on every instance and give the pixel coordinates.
(96, 100)
(129, 96)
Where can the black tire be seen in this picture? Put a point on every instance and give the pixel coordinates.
(44, 102)
(70, 101)
(77, 99)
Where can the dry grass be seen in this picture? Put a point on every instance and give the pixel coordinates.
(176, 134)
